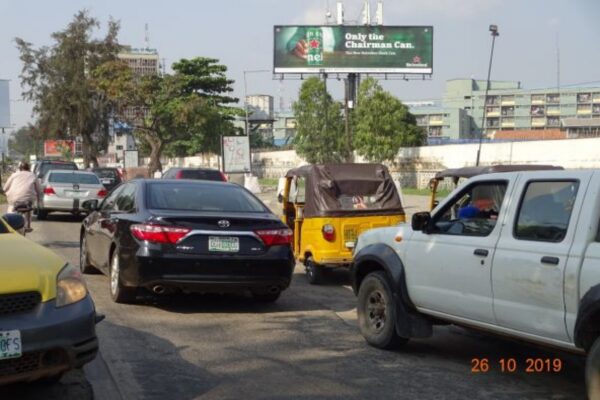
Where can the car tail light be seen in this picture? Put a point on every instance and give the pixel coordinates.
(49, 191)
(102, 193)
(328, 232)
(223, 176)
(272, 237)
(179, 175)
(158, 233)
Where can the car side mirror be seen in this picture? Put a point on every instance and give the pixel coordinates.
(90, 205)
(16, 221)
(420, 221)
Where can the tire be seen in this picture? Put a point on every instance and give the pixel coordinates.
(377, 312)
(50, 380)
(118, 292)
(84, 264)
(266, 297)
(592, 371)
(42, 215)
(314, 272)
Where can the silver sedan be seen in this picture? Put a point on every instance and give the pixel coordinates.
(66, 190)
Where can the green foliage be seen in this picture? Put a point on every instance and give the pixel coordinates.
(26, 141)
(58, 81)
(382, 124)
(320, 127)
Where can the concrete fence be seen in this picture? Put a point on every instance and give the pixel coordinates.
(415, 166)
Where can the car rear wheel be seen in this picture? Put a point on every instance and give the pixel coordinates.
(592, 371)
(377, 312)
(84, 263)
(42, 214)
(118, 292)
(314, 272)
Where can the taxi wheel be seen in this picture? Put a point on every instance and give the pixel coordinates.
(377, 312)
(118, 292)
(592, 371)
(314, 272)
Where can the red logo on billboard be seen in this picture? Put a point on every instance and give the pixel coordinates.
(416, 60)
(314, 44)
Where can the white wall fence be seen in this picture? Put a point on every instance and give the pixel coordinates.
(416, 165)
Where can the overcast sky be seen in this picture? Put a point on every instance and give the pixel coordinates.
(239, 33)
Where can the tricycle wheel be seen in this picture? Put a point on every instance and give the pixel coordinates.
(314, 272)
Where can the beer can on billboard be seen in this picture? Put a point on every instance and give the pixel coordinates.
(314, 40)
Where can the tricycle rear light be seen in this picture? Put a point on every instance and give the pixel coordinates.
(273, 237)
(158, 233)
(328, 232)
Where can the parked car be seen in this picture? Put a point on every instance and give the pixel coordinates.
(110, 177)
(47, 317)
(525, 265)
(42, 167)
(189, 236)
(205, 174)
(66, 190)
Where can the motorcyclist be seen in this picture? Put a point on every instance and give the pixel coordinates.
(22, 187)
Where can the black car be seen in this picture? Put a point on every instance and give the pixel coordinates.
(43, 166)
(189, 236)
(205, 174)
(110, 177)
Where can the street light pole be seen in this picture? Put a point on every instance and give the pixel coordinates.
(494, 32)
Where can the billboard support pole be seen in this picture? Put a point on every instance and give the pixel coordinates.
(349, 104)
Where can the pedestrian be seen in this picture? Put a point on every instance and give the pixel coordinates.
(22, 187)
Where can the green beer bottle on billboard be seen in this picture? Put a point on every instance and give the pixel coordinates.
(314, 39)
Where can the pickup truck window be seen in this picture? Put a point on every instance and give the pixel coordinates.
(473, 212)
(545, 210)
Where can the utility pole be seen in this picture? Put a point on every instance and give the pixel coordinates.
(494, 32)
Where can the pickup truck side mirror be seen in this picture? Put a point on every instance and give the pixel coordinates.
(420, 221)
(90, 205)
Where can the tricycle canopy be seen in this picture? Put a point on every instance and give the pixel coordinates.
(338, 190)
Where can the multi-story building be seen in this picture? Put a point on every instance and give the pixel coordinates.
(143, 62)
(510, 107)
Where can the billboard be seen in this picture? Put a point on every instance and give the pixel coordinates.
(4, 105)
(59, 148)
(359, 49)
(236, 154)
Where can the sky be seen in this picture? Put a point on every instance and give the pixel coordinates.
(240, 34)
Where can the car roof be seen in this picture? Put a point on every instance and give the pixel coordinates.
(186, 181)
(469, 172)
(195, 169)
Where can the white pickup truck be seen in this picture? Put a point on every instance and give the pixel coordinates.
(516, 254)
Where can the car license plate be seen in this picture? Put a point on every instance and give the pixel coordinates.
(10, 344)
(73, 194)
(106, 181)
(224, 244)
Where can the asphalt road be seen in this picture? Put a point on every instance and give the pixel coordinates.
(305, 346)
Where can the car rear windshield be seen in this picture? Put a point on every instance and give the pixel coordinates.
(198, 197)
(81, 179)
(47, 167)
(106, 173)
(202, 174)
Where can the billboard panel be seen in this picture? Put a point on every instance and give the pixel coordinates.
(4, 105)
(58, 148)
(360, 49)
(236, 154)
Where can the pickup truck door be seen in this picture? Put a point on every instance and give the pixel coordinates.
(448, 267)
(529, 265)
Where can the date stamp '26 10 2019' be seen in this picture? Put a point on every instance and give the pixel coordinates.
(511, 365)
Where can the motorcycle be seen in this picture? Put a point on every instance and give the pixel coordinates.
(22, 208)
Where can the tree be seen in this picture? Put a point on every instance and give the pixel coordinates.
(57, 79)
(26, 141)
(319, 135)
(183, 113)
(382, 124)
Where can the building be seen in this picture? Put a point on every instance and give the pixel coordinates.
(509, 107)
(143, 62)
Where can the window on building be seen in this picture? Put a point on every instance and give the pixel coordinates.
(508, 99)
(538, 122)
(492, 123)
(537, 110)
(554, 121)
(584, 109)
(584, 97)
(492, 101)
(596, 109)
(508, 111)
(435, 131)
(537, 98)
(553, 98)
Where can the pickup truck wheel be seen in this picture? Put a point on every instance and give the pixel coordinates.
(592, 371)
(377, 312)
(314, 272)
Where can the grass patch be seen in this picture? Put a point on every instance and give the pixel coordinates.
(425, 192)
(268, 182)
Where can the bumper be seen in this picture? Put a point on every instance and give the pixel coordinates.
(54, 340)
(55, 203)
(216, 273)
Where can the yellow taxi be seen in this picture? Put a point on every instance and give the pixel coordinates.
(47, 317)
